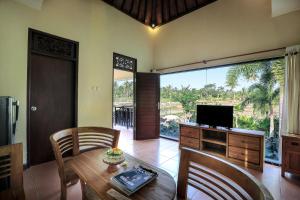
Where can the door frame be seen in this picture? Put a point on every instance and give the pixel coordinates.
(134, 71)
(30, 51)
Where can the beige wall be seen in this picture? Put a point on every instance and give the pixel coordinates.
(224, 28)
(100, 30)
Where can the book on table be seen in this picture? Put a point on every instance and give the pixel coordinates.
(132, 180)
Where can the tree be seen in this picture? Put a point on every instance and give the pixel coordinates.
(128, 88)
(187, 97)
(249, 71)
(264, 94)
(123, 91)
(167, 92)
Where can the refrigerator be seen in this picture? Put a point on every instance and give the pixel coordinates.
(9, 111)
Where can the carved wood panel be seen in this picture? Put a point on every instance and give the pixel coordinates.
(53, 46)
(124, 62)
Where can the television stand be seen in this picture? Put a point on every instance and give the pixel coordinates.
(239, 146)
(213, 141)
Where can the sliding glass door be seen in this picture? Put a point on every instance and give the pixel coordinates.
(254, 89)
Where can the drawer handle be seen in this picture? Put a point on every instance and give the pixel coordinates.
(294, 143)
(242, 154)
(242, 141)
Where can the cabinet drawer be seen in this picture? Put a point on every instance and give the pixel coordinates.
(190, 142)
(189, 132)
(292, 162)
(244, 141)
(292, 145)
(244, 154)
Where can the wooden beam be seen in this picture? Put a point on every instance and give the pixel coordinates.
(181, 8)
(153, 15)
(166, 11)
(135, 8)
(127, 6)
(191, 4)
(148, 12)
(159, 12)
(141, 15)
(118, 3)
(173, 9)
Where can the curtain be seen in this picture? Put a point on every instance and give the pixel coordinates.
(290, 120)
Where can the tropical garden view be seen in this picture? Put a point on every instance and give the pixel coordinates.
(254, 89)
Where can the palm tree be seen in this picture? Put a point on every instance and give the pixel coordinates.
(263, 95)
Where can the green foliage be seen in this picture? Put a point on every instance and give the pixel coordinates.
(187, 97)
(249, 71)
(278, 70)
(167, 92)
(170, 129)
(123, 90)
(252, 123)
(264, 94)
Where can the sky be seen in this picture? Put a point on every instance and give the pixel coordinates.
(198, 78)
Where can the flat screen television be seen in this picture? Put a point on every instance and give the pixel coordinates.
(215, 115)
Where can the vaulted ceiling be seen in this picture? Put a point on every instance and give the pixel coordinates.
(157, 12)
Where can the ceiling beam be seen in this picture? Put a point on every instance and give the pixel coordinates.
(148, 12)
(135, 8)
(157, 12)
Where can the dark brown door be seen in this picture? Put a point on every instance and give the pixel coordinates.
(52, 97)
(147, 106)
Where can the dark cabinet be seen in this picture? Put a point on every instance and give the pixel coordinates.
(290, 154)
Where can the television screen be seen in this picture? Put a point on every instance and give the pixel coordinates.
(215, 115)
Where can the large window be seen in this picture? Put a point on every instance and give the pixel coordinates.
(254, 89)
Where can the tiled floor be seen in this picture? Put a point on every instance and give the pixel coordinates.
(42, 181)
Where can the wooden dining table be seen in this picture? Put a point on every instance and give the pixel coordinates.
(91, 169)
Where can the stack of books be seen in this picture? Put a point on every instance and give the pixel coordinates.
(132, 180)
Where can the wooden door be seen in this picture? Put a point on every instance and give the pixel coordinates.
(147, 106)
(52, 92)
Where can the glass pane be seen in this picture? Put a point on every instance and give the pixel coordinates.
(254, 89)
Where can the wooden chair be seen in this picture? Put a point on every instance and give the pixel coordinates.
(96, 137)
(217, 178)
(64, 147)
(69, 142)
(11, 167)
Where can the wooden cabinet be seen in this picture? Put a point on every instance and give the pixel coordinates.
(245, 155)
(245, 142)
(189, 137)
(246, 149)
(189, 132)
(239, 146)
(190, 142)
(290, 154)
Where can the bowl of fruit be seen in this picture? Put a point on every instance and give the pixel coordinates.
(113, 157)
